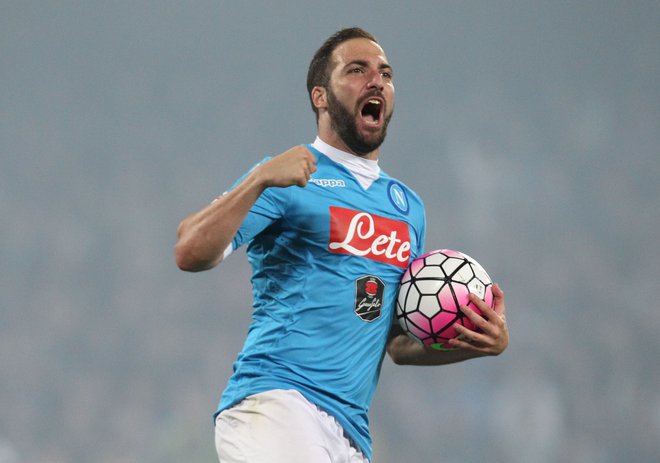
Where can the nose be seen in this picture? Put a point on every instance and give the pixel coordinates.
(376, 80)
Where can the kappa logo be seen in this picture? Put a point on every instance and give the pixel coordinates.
(328, 182)
(369, 235)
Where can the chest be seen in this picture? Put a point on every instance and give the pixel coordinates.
(334, 215)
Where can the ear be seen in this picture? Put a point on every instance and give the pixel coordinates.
(319, 97)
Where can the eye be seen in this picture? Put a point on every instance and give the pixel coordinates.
(356, 70)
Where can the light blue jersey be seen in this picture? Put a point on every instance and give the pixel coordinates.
(326, 261)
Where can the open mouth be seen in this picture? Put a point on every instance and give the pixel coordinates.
(372, 111)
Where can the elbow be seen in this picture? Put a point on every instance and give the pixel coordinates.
(184, 251)
(398, 360)
(399, 346)
(193, 252)
(183, 258)
(397, 355)
(188, 258)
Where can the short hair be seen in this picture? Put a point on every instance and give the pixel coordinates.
(318, 74)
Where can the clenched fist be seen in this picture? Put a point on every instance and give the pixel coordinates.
(293, 167)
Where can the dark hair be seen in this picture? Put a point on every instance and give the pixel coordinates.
(318, 74)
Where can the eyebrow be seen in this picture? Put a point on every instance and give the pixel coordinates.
(366, 64)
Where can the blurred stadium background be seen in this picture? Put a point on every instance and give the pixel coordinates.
(530, 128)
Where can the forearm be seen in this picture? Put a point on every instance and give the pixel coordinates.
(203, 236)
(405, 351)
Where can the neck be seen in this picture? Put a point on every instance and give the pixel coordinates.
(365, 171)
(333, 139)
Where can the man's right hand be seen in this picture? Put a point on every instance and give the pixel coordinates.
(292, 167)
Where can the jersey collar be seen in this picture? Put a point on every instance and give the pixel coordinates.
(365, 171)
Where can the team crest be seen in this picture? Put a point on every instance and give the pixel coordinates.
(369, 291)
(398, 196)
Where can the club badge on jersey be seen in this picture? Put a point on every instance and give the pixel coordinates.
(368, 297)
(398, 197)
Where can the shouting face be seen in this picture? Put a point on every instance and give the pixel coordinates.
(360, 97)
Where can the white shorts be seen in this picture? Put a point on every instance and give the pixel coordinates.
(281, 426)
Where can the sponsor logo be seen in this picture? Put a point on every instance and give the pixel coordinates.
(328, 182)
(369, 235)
(368, 297)
(398, 196)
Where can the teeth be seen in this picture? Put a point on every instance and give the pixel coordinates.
(374, 101)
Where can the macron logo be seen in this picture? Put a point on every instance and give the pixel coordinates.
(328, 182)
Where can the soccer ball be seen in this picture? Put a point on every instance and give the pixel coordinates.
(432, 289)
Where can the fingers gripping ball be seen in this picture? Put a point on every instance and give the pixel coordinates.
(433, 288)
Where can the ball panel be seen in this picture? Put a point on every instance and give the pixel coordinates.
(442, 324)
(434, 258)
(428, 286)
(477, 287)
(428, 305)
(451, 265)
(415, 267)
(418, 325)
(452, 253)
(480, 273)
(406, 275)
(412, 301)
(463, 274)
(429, 271)
(447, 298)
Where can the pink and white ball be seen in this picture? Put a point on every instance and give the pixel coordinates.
(432, 289)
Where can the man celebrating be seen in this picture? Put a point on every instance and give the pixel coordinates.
(329, 235)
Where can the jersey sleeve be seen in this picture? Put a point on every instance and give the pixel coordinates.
(268, 208)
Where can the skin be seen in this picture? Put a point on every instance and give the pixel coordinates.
(360, 72)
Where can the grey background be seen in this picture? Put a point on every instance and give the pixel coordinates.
(531, 129)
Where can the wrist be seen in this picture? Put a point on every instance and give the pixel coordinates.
(258, 179)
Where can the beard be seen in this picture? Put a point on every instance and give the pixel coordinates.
(343, 123)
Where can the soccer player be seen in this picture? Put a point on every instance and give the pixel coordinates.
(328, 237)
